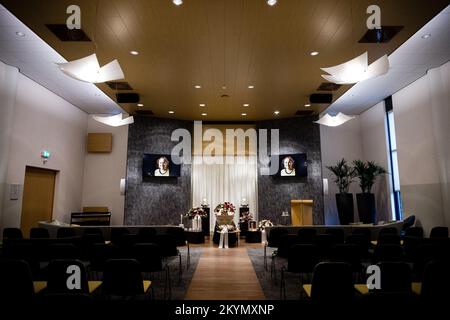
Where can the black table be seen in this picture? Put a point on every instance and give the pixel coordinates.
(253, 236)
(194, 236)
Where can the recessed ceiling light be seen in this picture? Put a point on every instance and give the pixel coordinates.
(140, 104)
(197, 86)
(251, 86)
(177, 2)
(224, 87)
(134, 52)
(20, 34)
(245, 104)
(314, 53)
(426, 36)
(243, 114)
(202, 105)
(271, 2)
(276, 112)
(204, 114)
(171, 112)
(307, 105)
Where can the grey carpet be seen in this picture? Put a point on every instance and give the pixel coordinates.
(271, 288)
(179, 289)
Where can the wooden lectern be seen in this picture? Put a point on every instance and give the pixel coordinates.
(301, 212)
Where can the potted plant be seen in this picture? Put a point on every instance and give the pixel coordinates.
(367, 173)
(343, 177)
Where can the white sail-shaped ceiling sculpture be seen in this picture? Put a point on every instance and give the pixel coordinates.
(87, 69)
(356, 70)
(114, 121)
(334, 121)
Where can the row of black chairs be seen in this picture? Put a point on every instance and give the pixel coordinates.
(122, 279)
(333, 282)
(38, 252)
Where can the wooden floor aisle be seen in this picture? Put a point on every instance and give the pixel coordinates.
(224, 274)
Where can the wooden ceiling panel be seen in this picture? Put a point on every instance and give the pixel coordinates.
(232, 43)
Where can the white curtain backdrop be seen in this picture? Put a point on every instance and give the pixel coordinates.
(226, 182)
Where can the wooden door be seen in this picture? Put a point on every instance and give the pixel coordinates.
(38, 192)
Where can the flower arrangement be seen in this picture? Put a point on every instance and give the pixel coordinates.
(196, 211)
(264, 223)
(245, 217)
(226, 208)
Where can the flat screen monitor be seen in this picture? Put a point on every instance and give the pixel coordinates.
(293, 165)
(159, 165)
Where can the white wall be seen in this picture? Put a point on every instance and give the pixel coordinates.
(422, 123)
(103, 171)
(43, 120)
(337, 143)
(8, 79)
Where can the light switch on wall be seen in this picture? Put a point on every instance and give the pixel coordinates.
(14, 191)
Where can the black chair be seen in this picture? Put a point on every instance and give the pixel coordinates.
(414, 232)
(12, 233)
(302, 259)
(122, 277)
(39, 233)
(439, 232)
(150, 259)
(410, 245)
(63, 251)
(180, 237)
(388, 238)
(286, 242)
(332, 282)
(116, 234)
(325, 242)
(23, 250)
(426, 253)
(306, 235)
(59, 273)
(436, 281)
(98, 254)
(168, 245)
(273, 241)
(146, 235)
(363, 230)
(93, 230)
(395, 277)
(388, 253)
(338, 234)
(126, 241)
(66, 232)
(348, 253)
(362, 241)
(273, 238)
(16, 281)
(387, 230)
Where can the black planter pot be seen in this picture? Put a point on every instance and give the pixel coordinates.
(344, 202)
(366, 207)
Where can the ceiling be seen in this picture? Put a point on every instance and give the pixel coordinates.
(231, 43)
(36, 60)
(408, 63)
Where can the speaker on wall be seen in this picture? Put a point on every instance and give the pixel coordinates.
(321, 98)
(127, 98)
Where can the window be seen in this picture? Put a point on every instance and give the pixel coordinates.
(396, 200)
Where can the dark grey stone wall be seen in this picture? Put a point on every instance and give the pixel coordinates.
(297, 135)
(156, 200)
